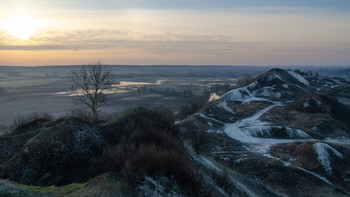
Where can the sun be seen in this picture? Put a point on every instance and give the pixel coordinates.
(22, 27)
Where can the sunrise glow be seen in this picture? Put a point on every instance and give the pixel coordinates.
(166, 32)
(19, 23)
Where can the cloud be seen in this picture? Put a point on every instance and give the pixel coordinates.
(193, 4)
(111, 39)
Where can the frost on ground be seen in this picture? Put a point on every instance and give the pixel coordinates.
(344, 140)
(298, 77)
(250, 130)
(296, 133)
(243, 95)
(323, 156)
(268, 92)
(225, 107)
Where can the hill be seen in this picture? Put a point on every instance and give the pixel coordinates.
(283, 134)
(291, 133)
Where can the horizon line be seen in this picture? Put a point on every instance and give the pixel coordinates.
(179, 65)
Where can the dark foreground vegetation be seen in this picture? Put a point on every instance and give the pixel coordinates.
(133, 147)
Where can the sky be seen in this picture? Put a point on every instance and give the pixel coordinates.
(181, 32)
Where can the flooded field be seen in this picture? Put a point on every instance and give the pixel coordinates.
(25, 90)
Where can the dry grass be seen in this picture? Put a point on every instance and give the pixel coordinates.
(21, 121)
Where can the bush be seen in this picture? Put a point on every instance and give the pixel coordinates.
(147, 145)
(7, 149)
(198, 139)
(15, 135)
(87, 116)
(22, 120)
(138, 125)
(243, 81)
(194, 106)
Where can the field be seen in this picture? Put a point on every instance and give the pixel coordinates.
(24, 90)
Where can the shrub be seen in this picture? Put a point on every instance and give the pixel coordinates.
(87, 116)
(22, 120)
(148, 145)
(7, 149)
(16, 134)
(134, 162)
(195, 105)
(243, 81)
(198, 139)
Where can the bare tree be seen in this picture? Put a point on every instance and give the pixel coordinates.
(90, 83)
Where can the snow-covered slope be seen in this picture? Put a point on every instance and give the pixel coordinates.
(289, 125)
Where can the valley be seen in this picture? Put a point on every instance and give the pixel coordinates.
(281, 133)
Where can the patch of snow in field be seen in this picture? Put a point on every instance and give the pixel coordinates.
(302, 89)
(224, 106)
(285, 86)
(324, 179)
(247, 129)
(242, 94)
(238, 94)
(260, 131)
(296, 133)
(272, 77)
(208, 118)
(268, 92)
(238, 161)
(298, 77)
(344, 140)
(322, 151)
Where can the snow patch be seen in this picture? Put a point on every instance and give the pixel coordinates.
(322, 151)
(208, 118)
(296, 133)
(268, 92)
(272, 77)
(298, 77)
(243, 95)
(344, 140)
(224, 106)
(238, 161)
(247, 130)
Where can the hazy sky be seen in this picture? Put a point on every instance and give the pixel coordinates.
(190, 32)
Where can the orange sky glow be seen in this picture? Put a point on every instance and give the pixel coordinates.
(48, 34)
